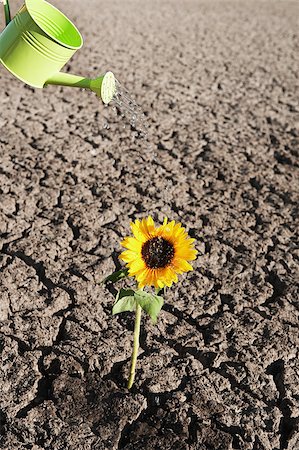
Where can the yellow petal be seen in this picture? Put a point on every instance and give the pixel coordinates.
(143, 278)
(180, 265)
(150, 224)
(147, 227)
(131, 244)
(159, 284)
(171, 276)
(174, 276)
(186, 253)
(128, 256)
(136, 266)
(151, 276)
(136, 229)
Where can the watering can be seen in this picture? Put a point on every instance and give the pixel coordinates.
(38, 42)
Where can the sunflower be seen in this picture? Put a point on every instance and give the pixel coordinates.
(156, 255)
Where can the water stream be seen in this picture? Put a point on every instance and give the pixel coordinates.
(130, 113)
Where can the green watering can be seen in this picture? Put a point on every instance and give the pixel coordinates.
(38, 42)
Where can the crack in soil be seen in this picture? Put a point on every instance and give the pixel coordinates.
(234, 431)
(279, 289)
(40, 271)
(153, 402)
(203, 329)
(115, 373)
(206, 362)
(44, 389)
(75, 230)
(287, 423)
(22, 346)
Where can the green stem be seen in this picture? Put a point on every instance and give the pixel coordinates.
(135, 346)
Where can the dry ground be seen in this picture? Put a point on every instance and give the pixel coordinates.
(218, 82)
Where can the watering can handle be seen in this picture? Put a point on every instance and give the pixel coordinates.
(6, 11)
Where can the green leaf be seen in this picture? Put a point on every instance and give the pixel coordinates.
(116, 276)
(150, 303)
(125, 301)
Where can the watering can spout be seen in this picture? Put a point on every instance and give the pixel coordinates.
(6, 12)
(103, 86)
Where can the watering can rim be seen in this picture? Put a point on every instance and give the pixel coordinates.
(30, 3)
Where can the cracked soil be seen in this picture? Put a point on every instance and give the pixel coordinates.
(217, 81)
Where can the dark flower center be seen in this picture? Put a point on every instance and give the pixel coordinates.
(157, 252)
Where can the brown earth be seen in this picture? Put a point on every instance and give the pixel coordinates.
(218, 82)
